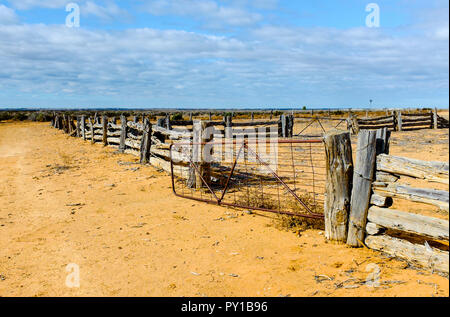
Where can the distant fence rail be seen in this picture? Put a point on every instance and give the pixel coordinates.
(400, 121)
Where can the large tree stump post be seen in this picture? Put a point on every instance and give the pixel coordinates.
(146, 142)
(123, 133)
(105, 130)
(339, 166)
(362, 186)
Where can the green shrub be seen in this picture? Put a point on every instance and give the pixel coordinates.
(177, 116)
(20, 116)
(4, 115)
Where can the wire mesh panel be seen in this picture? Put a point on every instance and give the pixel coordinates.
(315, 127)
(285, 176)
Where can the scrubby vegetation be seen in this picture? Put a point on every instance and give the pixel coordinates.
(39, 116)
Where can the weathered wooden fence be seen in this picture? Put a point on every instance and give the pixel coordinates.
(152, 141)
(357, 194)
(363, 218)
(399, 121)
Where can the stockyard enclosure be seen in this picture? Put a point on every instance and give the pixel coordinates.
(258, 204)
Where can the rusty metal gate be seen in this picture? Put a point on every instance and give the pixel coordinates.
(285, 177)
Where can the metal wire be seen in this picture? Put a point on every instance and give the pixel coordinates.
(290, 181)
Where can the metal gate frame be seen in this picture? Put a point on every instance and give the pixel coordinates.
(220, 202)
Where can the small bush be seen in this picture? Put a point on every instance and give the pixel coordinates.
(20, 116)
(177, 116)
(5, 115)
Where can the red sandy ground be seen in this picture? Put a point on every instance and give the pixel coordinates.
(65, 201)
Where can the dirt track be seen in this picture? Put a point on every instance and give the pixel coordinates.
(65, 201)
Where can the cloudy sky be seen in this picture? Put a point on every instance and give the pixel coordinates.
(227, 53)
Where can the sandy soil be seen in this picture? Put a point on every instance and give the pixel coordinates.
(67, 201)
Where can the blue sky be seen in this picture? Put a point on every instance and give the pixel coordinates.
(228, 53)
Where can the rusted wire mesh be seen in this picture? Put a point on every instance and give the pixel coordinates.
(316, 127)
(286, 177)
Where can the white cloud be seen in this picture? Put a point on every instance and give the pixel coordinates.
(107, 13)
(7, 15)
(207, 11)
(29, 4)
(262, 66)
(273, 64)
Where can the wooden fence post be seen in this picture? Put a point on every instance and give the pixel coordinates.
(64, 123)
(91, 127)
(435, 118)
(167, 122)
(78, 126)
(199, 156)
(339, 164)
(383, 137)
(290, 126)
(60, 122)
(399, 120)
(354, 125)
(228, 127)
(123, 133)
(105, 130)
(282, 126)
(362, 186)
(83, 127)
(69, 124)
(146, 142)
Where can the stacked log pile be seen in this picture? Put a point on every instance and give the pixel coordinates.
(381, 218)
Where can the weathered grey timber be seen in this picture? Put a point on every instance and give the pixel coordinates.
(339, 165)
